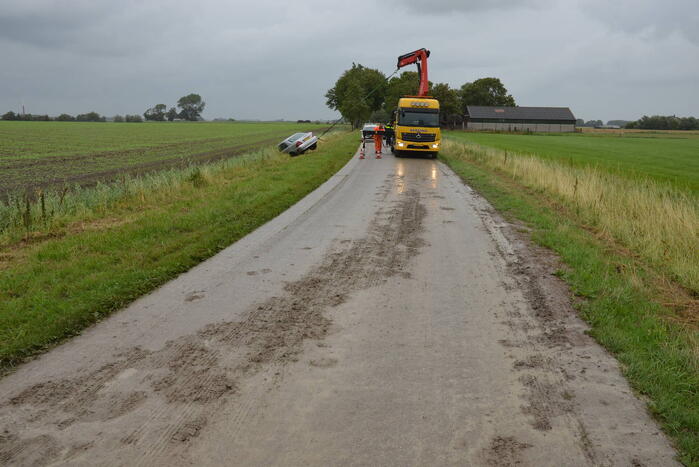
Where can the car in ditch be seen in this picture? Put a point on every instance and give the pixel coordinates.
(298, 143)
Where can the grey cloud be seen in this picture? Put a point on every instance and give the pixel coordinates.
(98, 28)
(651, 17)
(436, 7)
(48, 23)
(276, 59)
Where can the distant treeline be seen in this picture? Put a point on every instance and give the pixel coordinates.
(88, 117)
(600, 123)
(656, 122)
(191, 107)
(665, 122)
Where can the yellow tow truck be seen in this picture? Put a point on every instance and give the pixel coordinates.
(416, 120)
(417, 126)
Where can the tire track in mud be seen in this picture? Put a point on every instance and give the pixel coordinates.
(542, 335)
(181, 384)
(504, 452)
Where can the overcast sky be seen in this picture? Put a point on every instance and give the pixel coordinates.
(268, 59)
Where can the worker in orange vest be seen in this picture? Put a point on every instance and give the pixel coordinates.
(378, 137)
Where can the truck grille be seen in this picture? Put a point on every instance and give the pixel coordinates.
(418, 137)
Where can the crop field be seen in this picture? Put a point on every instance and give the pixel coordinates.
(664, 156)
(40, 154)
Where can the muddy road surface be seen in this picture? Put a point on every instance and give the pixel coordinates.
(389, 318)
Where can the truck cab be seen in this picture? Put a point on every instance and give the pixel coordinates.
(417, 126)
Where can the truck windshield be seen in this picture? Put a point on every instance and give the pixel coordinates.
(428, 118)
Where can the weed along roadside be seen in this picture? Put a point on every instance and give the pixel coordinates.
(630, 250)
(103, 247)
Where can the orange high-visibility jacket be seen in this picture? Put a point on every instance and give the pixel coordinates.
(377, 136)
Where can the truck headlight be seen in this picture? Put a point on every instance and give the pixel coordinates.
(400, 145)
(435, 146)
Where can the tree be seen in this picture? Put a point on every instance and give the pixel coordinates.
(133, 118)
(191, 106)
(171, 114)
(357, 93)
(118, 119)
(156, 113)
(90, 117)
(65, 118)
(353, 105)
(406, 84)
(449, 104)
(380, 116)
(621, 123)
(485, 91)
(661, 122)
(10, 116)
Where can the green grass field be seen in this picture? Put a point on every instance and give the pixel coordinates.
(665, 156)
(39, 154)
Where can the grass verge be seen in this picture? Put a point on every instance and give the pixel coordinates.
(659, 354)
(655, 220)
(668, 157)
(118, 242)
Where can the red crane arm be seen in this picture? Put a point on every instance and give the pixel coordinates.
(419, 57)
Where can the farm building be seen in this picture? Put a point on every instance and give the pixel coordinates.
(544, 119)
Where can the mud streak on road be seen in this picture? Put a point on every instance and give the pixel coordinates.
(191, 372)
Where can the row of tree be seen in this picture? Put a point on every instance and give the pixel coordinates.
(88, 117)
(190, 108)
(656, 122)
(598, 123)
(362, 94)
(665, 122)
(590, 123)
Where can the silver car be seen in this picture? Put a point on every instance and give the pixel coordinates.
(298, 143)
(368, 130)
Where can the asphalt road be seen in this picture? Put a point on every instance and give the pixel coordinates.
(389, 318)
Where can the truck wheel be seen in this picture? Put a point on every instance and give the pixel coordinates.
(313, 147)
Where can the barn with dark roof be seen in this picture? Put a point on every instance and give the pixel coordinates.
(539, 119)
